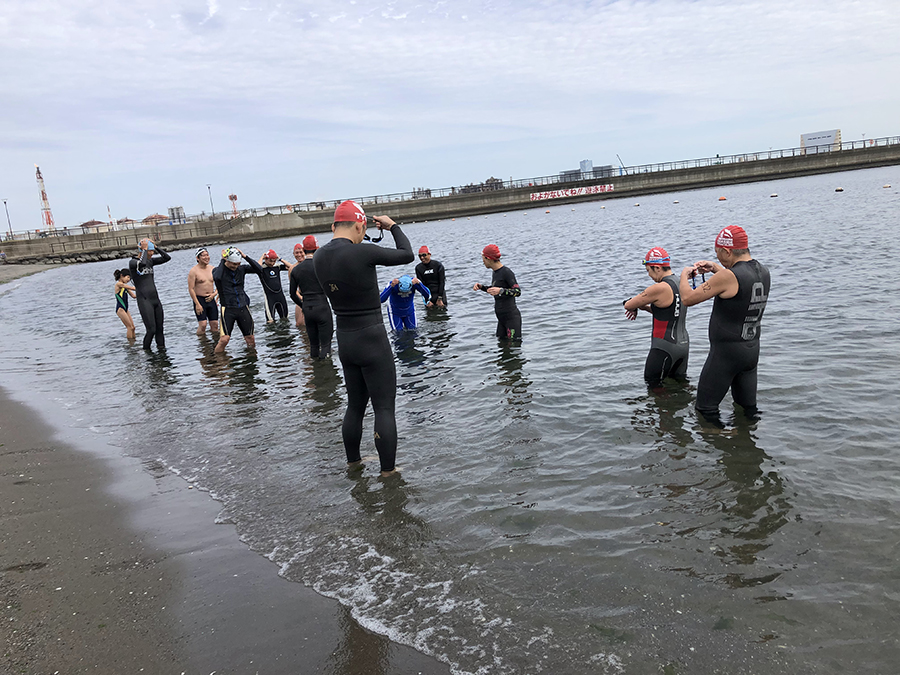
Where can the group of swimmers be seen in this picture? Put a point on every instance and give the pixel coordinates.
(341, 277)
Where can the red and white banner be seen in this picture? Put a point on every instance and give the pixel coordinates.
(571, 192)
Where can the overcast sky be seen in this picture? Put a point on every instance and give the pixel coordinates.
(138, 105)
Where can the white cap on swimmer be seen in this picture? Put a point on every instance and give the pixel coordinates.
(231, 255)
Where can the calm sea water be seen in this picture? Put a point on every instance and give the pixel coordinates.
(553, 515)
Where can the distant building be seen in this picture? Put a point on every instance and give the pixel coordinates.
(587, 168)
(820, 141)
(176, 214)
(570, 176)
(604, 171)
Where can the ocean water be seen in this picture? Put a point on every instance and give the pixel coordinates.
(553, 515)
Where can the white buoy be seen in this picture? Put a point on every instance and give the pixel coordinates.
(774, 194)
(839, 189)
(888, 185)
(638, 204)
(675, 202)
(602, 207)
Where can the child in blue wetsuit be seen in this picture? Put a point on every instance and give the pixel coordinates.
(402, 310)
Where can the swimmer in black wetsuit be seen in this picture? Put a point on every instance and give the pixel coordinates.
(149, 306)
(307, 293)
(505, 290)
(229, 278)
(431, 273)
(270, 277)
(346, 269)
(123, 290)
(299, 256)
(740, 286)
(669, 343)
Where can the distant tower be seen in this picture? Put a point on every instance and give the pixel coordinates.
(233, 198)
(46, 214)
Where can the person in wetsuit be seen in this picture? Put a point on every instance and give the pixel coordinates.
(149, 306)
(402, 309)
(505, 290)
(307, 294)
(346, 269)
(669, 343)
(123, 290)
(270, 277)
(740, 286)
(229, 277)
(431, 273)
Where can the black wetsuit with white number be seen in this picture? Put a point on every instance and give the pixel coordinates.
(316, 310)
(271, 283)
(509, 320)
(432, 275)
(669, 344)
(234, 299)
(734, 330)
(149, 306)
(348, 277)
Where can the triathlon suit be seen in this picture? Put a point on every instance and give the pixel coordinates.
(734, 330)
(271, 283)
(509, 320)
(347, 274)
(121, 300)
(402, 309)
(670, 344)
(432, 275)
(316, 310)
(149, 306)
(235, 303)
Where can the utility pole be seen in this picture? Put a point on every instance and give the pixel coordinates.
(211, 207)
(7, 219)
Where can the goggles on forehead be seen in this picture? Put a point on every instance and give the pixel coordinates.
(657, 261)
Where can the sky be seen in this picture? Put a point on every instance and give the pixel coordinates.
(137, 106)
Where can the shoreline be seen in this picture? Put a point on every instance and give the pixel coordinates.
(12, 271)
(111, 565)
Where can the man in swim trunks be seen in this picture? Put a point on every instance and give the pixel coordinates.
(270, 277)
(402, 308)
(346, 269)
(202, 290)
(669, 343)
(307, 294)
(149, 305)
(229, 277)
(431, 273)
(505, 290)
(740, 286)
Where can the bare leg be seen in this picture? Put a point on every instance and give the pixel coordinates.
(251, 341)
(223, 342)
(201, 327)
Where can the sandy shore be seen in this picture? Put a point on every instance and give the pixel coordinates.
(108, 565)
(10, 272)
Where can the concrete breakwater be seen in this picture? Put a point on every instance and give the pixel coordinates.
(112, 245)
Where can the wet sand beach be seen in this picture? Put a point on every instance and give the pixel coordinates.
(9, 272)
(110, 565)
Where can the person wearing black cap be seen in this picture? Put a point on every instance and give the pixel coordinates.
(669, 344)
(149, 305)
(307, 294)
(431, 273)
(346, 269)
(505, 290)
(740, 286)
(203, 292)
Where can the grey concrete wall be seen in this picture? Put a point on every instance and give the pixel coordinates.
(115, 245)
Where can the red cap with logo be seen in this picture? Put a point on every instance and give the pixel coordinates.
(423, 250)
(658, 256)
(298, 247)
(732, 237)
(491, 252)
(310, 243)
(271, 255)
(349, 212)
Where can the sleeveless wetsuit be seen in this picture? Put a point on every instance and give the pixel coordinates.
(669, 344)
(235, 303)
(316, 310)
(271, 283)
(432, 275)
(734, 330)
(121, 300)
(149, 306)
(348, 277)
(509, 320)
(402, 309)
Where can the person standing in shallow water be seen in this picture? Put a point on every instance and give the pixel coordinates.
(202, 290)
(307, 294)
(505, 290)
(123, 290)
(740, 288)
(431, 273)
(149, 305)
(669, 344)
(346, 269)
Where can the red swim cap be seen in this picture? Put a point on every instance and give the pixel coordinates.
(423, 250)
(658, 256)
(349, 211)
(732, 237)
(309, 243)
(271, 255)
(491, 252)
(298, 247)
